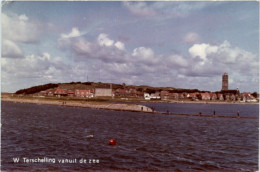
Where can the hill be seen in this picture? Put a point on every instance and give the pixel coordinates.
(93, 85)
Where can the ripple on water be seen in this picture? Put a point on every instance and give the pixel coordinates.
(144, 141)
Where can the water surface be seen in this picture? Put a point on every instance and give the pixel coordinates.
(144, 141)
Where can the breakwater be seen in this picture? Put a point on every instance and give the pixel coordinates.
(211, 116)
(116, 107)
(95, 105)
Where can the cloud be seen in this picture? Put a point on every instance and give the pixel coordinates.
(74, 33)
(165, 10)
(202, 51)
(117, 63)
(32, 70)
(143, 54)
(103, 48)
(212, 60)
(120, 45)
(191, 38)
(140, 9)
(103, 40)
(178, 61)
(20, 28)
(11, 50)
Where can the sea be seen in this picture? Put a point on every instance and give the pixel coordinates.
(38, 137)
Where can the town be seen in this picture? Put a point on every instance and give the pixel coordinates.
(91, 90)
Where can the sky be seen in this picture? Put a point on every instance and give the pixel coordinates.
(162, 44)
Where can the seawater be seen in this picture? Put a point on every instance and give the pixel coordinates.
(245, 110)
(144, 141)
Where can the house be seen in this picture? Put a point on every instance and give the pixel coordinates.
(82, 93)
(181, 95)
(247, 97)
(205, 96)
(192, 96)
(121, 92)
(174, 95)
(164, 95)
(43, 93)
(132, 92)
(233, 97)
(227, 97)
(155, 96)
(139, 94)
(48, 92)
(60, 92)
(147, 96)
(220, 96)
(70, 93)
(213, 96)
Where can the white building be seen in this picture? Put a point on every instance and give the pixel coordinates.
(147, 96)
(103, 92)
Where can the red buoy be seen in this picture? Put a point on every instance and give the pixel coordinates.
(112, 141)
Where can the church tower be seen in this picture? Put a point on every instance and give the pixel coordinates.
(225, 82)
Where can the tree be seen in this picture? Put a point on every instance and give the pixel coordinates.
(254, 94)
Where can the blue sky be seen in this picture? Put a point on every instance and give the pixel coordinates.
(177, 44)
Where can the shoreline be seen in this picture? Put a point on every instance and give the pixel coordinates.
(94, 105)
(202, 102)
(110, 106)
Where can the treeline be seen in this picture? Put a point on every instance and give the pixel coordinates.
(153, 90)
(36, 89)
(185, 91)
(228, 92)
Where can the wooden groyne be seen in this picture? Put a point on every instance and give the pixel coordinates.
(210, 116)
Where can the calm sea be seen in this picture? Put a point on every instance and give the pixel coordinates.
(245, 110)
(41, 136)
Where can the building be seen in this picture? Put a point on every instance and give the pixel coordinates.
(224, 82)
(155, 96)
(70, 93)
(165, 95)
(60, 92)
(205, 96)
(103, 92)
(147, 96)
(82, 93)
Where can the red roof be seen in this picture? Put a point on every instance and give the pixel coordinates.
(61, 91)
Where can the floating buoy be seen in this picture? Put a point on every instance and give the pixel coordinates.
(112, 142)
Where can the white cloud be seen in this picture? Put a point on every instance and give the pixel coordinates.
(140, 9)
(32, 70)
(165, 10)
(191, 38)
(11, 50)
(23, 17)
(103, 40)
(202, 50)
(20, 28)
(120, 45)
(144, 53)
(178, 60)
(103, 48)
(209, 60)
(117, 63)
(74, 33)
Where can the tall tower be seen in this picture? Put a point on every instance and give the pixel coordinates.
(225, 82)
